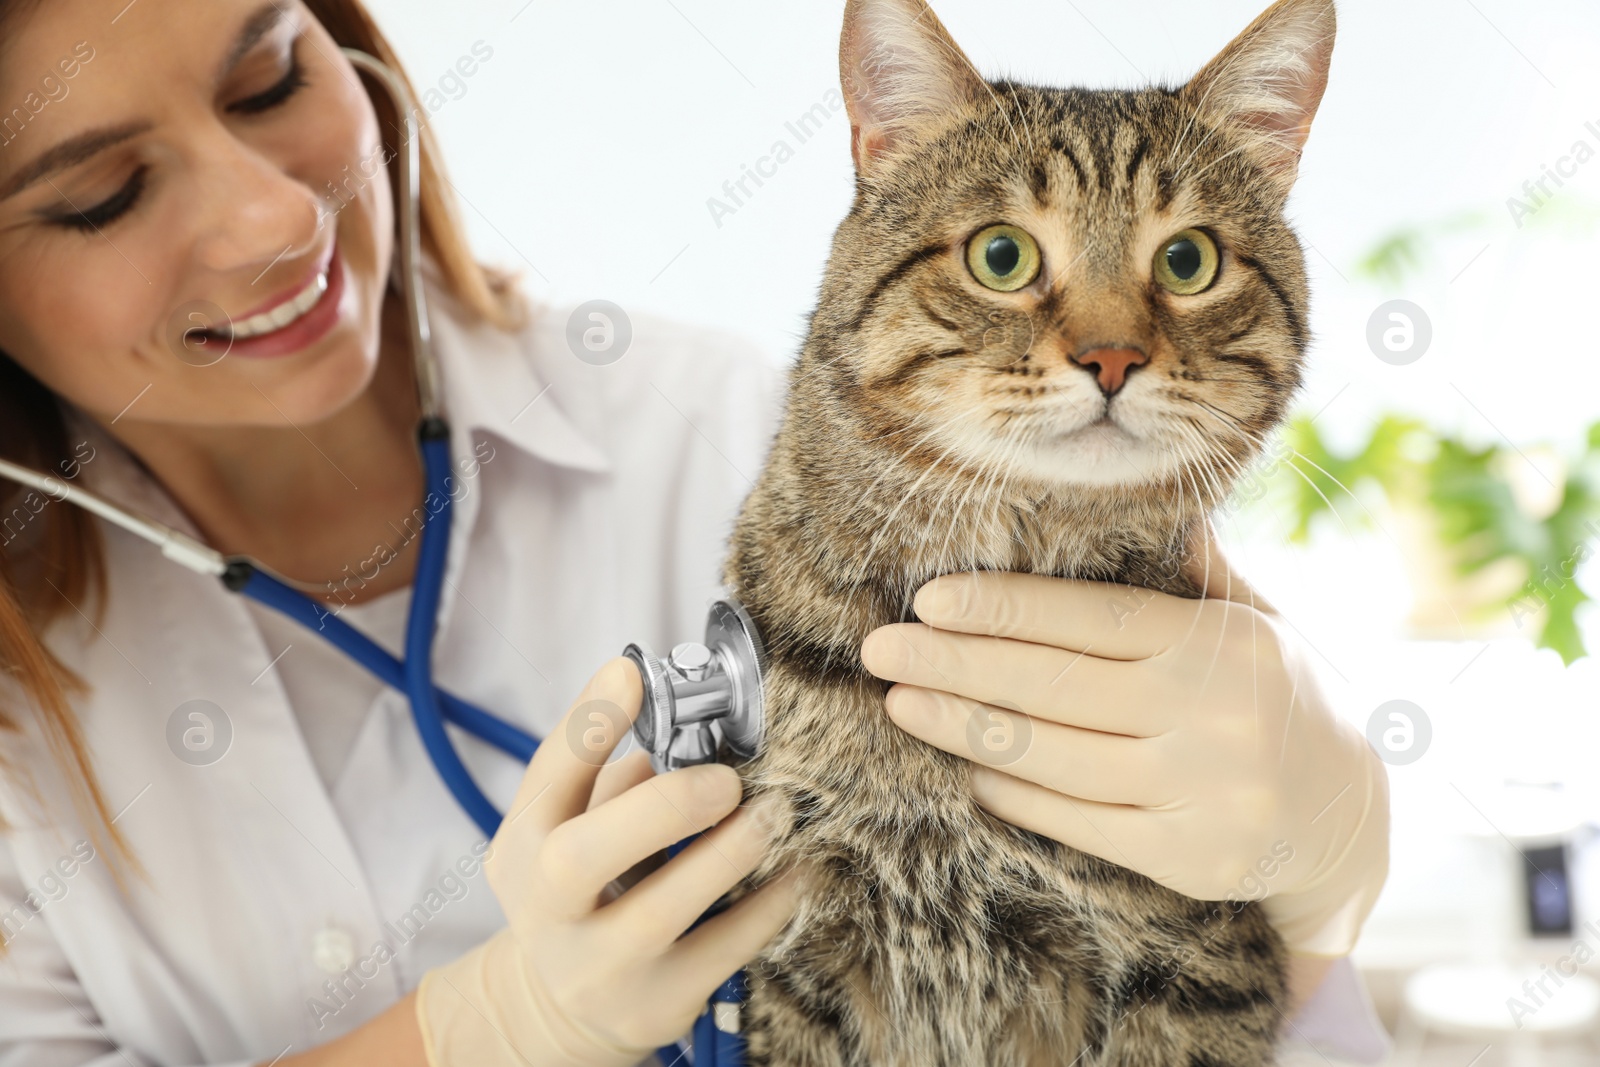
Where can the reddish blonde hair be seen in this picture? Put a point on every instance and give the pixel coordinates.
(60, 563)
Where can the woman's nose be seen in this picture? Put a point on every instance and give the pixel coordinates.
(254, 213)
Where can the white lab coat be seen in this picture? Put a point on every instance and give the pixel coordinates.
(277, 916)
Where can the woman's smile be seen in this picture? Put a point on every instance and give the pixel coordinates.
(292, 321)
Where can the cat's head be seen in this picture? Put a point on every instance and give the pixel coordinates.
(1065, 285)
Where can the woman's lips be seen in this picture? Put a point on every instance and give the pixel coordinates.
(306, 330)
(284, 298)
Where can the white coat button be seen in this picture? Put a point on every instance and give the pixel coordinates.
(333, 950)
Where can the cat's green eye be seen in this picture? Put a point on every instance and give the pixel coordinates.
(1003, 257)
(1187, 262)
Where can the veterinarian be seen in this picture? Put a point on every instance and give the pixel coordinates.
(224, 842)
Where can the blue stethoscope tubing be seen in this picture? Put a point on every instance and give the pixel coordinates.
(432, 707)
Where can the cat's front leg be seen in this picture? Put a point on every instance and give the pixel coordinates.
(793, 1020)
(1225, 1021)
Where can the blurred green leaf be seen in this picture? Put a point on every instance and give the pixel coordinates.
(1569, 215)
(1479, 521)
(1408, 250)
(1468, 490)
(1320, 476)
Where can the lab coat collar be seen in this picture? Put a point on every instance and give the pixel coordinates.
(492, 382)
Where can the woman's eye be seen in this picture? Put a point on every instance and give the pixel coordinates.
(123, 201)
(107, 211)
(1187, 263)
(292, 83)
(1003, 258)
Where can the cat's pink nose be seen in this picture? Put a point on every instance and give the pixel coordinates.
(1111, 365)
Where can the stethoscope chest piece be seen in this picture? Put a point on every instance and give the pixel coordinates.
(704, 693)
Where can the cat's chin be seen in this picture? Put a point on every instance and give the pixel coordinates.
(1101, 454)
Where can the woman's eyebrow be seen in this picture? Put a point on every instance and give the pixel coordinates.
(70, 153)
(75, 150)
(262, 22)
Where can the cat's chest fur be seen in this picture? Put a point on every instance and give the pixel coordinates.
(931, 932)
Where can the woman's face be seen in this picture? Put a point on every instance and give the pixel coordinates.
(180, 166)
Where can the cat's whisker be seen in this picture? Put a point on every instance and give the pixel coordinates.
(1229, 154)
(893, 468)
(1004, 465)
(1194, 622)
(1289, 462)
(916, 566)
(907, 428)
(1000, 108)
(1195, 177)
(864, 566)
(1195, 459)
(955, 515)
(910, 493)
(1227, 418)
(888, 524)
(1205, 582)
(1211, 379)
(1194, 115)
(1233, 467)
(1295, 453)
(1239, 471)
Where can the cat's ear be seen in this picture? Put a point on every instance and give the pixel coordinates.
(1269, 81)
(900, 70)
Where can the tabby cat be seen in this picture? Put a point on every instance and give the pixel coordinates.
(1054, 327)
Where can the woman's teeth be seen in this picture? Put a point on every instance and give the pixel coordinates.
(282, 315)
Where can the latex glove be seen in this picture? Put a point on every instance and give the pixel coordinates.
(1186, 740)
(577, 977)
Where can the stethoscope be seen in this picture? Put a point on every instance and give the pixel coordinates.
(704, 695)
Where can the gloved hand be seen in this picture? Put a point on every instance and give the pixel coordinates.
(577, 977)
(1186, 740)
